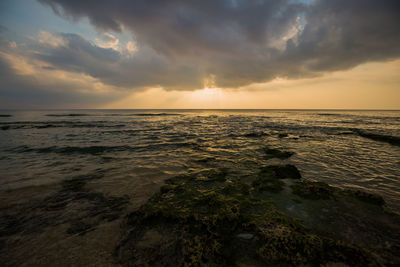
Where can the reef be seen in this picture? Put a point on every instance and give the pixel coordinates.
(393, 140)
(214, 219)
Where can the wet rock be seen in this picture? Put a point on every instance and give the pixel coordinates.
(393, 140)
(79, 228)
(276, 153)
(286, 171)
(267, 181)
(367, 197)
(313, 190)
(256, 134)
(36, 216)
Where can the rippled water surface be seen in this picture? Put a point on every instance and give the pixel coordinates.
(136, 150)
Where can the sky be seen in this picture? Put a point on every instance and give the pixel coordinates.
(157, 54)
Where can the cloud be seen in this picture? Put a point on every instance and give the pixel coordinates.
(188, 45)
(107, 40)
(128, 67)
(240, 42)
(29, 82)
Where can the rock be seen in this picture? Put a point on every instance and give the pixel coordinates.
(313, 190)
(286, 171)
(276, 153)
(367, 197)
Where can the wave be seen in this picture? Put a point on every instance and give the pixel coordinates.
(393, 140)
(328, 114)
(97, 150)
(58, 124)
(255, 134)
(68, 115)
(152, 114)
(93, 150)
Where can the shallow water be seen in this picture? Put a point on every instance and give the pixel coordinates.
(140, 148)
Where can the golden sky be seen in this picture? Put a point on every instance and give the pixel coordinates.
(368, 86)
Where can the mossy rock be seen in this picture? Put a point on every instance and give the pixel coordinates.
(285, 247)
(195, 222)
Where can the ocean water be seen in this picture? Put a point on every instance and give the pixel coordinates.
(68, 178)
(134, 151)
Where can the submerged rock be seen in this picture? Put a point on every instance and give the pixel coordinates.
(313, 190)
(286, 171)
(276, 153)
(393, 140)
(256, 134)
(367, 197)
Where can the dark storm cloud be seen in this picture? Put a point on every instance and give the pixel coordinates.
(182, 42)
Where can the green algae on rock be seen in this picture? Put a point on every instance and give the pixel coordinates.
(194, 222)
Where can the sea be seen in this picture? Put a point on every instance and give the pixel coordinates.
(136, 150)
(68, 178)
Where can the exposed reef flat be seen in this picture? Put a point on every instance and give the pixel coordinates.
(274, 218)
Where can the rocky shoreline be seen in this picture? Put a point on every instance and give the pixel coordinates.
(209, 218)
(275, 218)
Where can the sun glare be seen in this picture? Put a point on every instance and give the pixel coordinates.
(207, 97)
